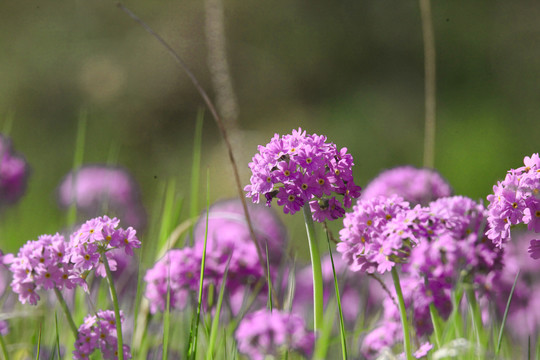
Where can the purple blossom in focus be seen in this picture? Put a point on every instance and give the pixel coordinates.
(99, 332)
(95, 188)
(13, 173)
(41, 264)
(417, 186)
(267, 333)
(516, 200)
(298, 169)
(95, 237)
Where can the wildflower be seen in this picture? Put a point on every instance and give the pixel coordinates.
(13, 173)
(99, 332)
(515, 200)
(41, 264)
(266, 333)
(417, 186)
(378, 234)
(96, 237)
(93, 188)
(298, 169)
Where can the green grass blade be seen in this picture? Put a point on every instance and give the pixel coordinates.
(77, 162)
(166, 216)
(269, 303)
(499, 340)
(39, 343)
(324, 334)
(57, 335)
(215, 322)
(195, 332)
(4, 347)
(342, 333)
(196, 168)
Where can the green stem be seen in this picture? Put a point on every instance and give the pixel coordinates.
(4, 347)
(114, 298)
(475, 311)
(65, 308)
(403, 314)
(315, 268)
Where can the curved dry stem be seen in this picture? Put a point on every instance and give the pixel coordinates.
(216, 117)
(429, 82)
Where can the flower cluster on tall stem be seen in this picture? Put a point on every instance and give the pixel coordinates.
(299, 168)
(516, 200)
(14, 172)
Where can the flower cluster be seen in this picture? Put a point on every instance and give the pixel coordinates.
(265, 333)
(13, 173)
(39, 265)
(99, 332)
(417, 186)
(228, 244)
(177, 272)
(516, 200)
(298, 169)
(453, 249)
(95, 187)
(380, 232)
(96, 237)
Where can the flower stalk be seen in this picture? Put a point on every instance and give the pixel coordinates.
(403, 315)
(114, 298)
(315, 269)
(65, 308)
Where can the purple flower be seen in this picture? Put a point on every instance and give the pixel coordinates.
(177, 272)
(300, 168)
(99, 332)
(13, 173)
(267, 333)
(228, 242)
(515, 200)
(377, 234)
(40, 264)
(534, 249)
(417, 186)
(94, 187)
(96, 237)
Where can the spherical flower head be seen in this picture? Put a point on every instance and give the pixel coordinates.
(93, 186)
(40, 264)
(266, 333)
(417, 186)
(14, 173)
(299, 168)
(515, 200)
(99, 332)
(378, 234)
(96, 237)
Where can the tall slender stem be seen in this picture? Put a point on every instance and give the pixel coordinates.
(65, 308)
(116, 306)
(403, 314)
(315, 269)
(429, 82)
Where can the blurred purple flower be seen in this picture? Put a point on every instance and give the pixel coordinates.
(417, 186)
(99, 332)
(297, 169)
(13, 173)
(267, 333)
(96, 188)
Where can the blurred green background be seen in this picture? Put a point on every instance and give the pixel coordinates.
(349, 69)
